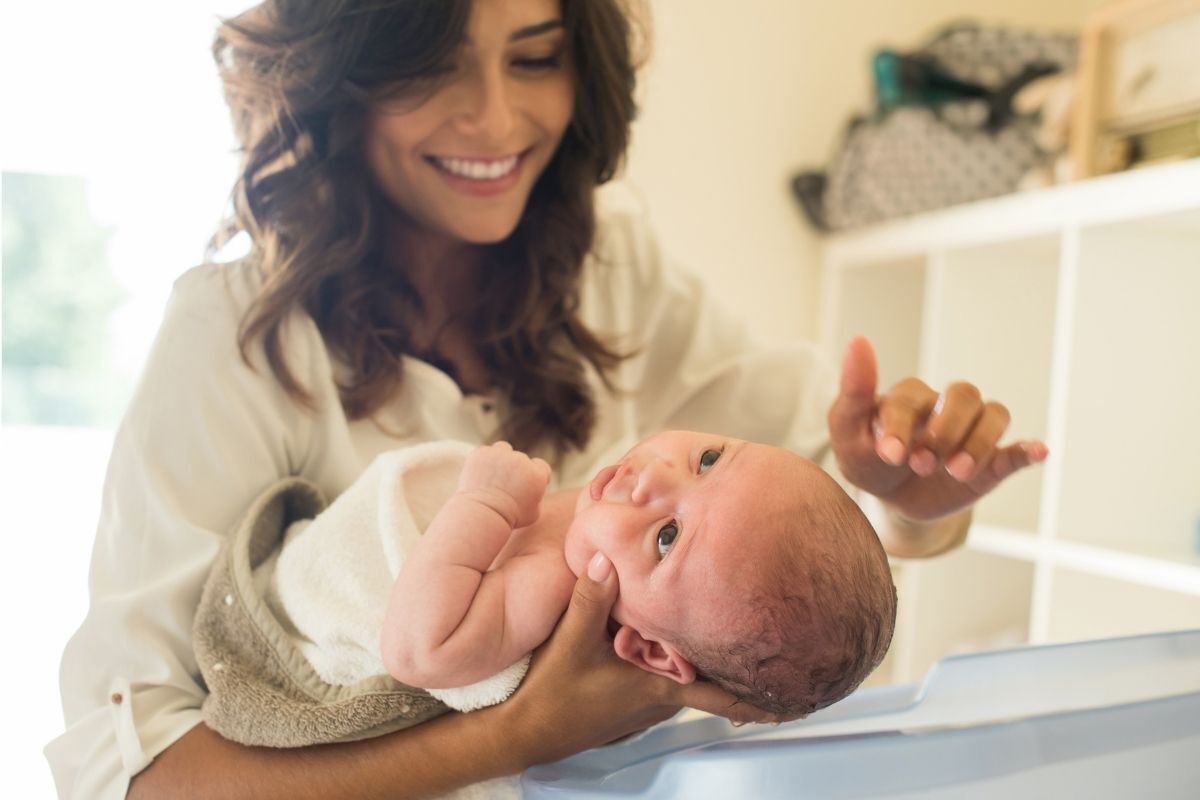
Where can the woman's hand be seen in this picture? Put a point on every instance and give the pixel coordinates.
(579, 694)
(923, 453)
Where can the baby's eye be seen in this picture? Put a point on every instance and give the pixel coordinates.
(708, 458)
(666, 538)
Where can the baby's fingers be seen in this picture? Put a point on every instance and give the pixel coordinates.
(543, 470)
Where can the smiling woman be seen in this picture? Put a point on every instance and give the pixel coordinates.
(416, 185)
(427, 261)
(437, 95)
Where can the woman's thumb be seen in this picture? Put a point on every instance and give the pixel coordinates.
(595, 592)
(851, 412)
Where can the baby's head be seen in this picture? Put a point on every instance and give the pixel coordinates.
(741, 563)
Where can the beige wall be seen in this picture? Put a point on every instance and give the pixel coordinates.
(739, 95)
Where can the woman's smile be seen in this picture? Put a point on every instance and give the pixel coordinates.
(479, 176)
(462, 162)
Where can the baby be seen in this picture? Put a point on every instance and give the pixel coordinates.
(737, 562)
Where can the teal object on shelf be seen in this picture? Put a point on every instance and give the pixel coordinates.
(903, 80)
(919, 80)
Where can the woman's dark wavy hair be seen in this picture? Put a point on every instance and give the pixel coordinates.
(299, 77)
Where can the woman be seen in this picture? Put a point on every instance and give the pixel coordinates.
(417, 187)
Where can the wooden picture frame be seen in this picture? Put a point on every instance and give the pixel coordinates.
(1126, 48)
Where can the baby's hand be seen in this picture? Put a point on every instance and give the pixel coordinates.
(506, 480)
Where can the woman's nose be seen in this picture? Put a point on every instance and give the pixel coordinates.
(485, 108)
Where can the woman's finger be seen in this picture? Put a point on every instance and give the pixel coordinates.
(578, 693)
(592, 601)
(977, 452)
(901, 412)
(852, 411)
(1008, 460)
(955, 414)
(708, 697)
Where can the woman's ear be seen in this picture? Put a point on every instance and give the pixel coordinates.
(653, 655)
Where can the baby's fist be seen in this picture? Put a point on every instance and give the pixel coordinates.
(506, 480)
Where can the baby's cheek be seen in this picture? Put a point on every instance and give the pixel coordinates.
(575, 550)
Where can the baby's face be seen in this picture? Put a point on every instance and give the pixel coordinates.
(684, 517)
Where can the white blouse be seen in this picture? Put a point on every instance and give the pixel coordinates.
(205, 433)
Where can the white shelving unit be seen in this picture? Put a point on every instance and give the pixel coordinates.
(1079, 308)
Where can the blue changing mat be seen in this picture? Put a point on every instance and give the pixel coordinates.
(1115, 718)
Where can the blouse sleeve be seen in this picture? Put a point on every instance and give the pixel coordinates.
(697, 366)
(204, 434)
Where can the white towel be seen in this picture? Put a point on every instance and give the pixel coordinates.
(329, 584)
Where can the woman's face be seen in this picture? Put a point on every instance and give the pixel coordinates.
(461, 162)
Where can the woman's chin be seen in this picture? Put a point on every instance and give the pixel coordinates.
(485, 231)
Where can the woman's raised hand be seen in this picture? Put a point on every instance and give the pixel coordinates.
(925, 453)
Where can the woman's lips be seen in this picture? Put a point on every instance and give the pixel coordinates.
(478, 169)
(479, 176)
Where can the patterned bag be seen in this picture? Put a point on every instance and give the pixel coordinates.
(923, 151)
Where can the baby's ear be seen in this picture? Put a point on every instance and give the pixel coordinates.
(653, 655)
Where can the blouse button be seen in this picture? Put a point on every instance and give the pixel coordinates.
(228, 599)
(117, 698)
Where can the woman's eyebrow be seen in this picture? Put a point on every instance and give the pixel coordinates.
(527, 32)
(536, 30)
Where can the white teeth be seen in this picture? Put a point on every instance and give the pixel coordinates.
(477, 170)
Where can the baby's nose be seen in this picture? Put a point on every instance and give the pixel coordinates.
(655, 478)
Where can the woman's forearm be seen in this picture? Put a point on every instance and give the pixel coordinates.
(428, 759)
(905, 538)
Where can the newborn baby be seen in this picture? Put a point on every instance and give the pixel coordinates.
(737, 562)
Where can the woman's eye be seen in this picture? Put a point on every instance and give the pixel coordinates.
(666, 538)
(708, 458)
(536, 64)
(417, 89)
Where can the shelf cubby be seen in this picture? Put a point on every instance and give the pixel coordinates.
(1131, 454)
(1078, 307)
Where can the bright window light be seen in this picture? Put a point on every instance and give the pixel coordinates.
(116, 134)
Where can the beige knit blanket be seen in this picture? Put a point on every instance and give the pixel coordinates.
(262, 691)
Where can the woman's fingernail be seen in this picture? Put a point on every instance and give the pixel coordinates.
(892, 450)
(961, 465)
(599, 567)
(923, 462)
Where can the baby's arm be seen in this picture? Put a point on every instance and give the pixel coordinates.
(446, 620)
